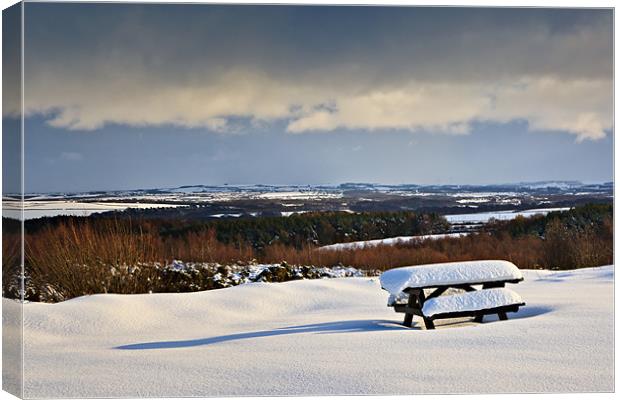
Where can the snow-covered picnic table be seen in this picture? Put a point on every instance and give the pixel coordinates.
(406, 286)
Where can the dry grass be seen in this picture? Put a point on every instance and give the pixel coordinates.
(78, 258)
(11, 269)
(82, 259)
(569, 248)
(203, 246)
(524, 252)
(114, 256)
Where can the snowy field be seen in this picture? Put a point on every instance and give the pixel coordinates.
(475, 218)
(388, 241)
(38, 209)
(330, 336)
(48, 207)
(484, 217)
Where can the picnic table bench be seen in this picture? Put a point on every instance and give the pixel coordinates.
(407, 287)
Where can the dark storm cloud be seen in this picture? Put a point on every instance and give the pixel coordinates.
(319, 68)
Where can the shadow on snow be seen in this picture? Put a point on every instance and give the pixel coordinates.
(323, 328)
(328, 327)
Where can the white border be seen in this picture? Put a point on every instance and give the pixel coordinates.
(470, 3)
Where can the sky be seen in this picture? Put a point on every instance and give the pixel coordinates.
(121, 96)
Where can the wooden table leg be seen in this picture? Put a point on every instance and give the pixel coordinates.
(408, 316)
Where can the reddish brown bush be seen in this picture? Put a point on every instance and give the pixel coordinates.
(524, 251)
(76, 258)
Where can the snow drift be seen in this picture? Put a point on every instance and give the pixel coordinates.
(311, 337)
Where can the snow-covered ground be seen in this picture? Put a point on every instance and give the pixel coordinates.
(39, 208)
(484, 217)
(388, 241)
(475, 218)
(332, 336)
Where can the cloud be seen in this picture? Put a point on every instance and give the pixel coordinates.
(416, 106)
(582, 108)
(391, 70)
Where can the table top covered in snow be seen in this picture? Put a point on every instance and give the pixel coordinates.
(464, 272)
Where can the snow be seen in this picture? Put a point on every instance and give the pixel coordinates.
(235, 215)
(289, 213)
(484, 217)
(398, 279)
(38, 209)
(388, 241)
(311, 337)
(471, 301)
(399, 298)
(298, 195)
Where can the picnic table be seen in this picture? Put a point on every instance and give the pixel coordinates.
(479, 286)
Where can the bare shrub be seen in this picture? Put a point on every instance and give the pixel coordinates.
(568, 248)
(523, 251)
(74, 259)
(203, 246)
(11, 265)
(78, 257)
